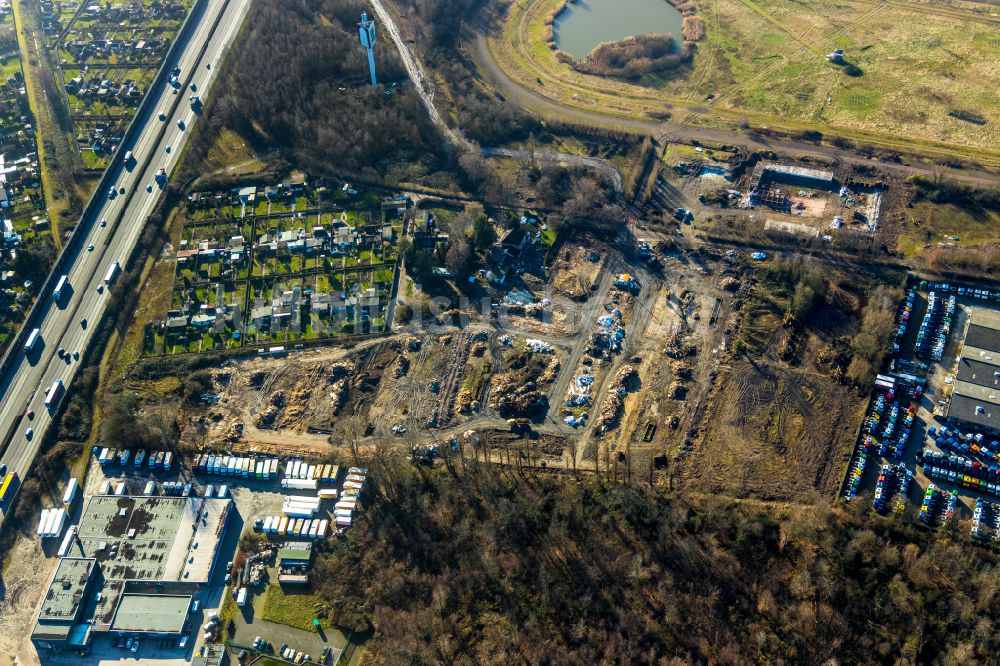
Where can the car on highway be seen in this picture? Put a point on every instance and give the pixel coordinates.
(29, 433)
(31, 415)
(121, 190)
(149, 187)
(112, 192)
(3, 470)
(180, 124)
(193, 86)
(90, 248)
(104, 222)
(100, 289)
(208, 65)
(83, 323)
(76, 355)
(61, 352)
(135, 646)
(167, 149)
(163, 114)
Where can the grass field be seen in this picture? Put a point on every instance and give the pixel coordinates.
(294, 610)
(766, 63)
(931, 225)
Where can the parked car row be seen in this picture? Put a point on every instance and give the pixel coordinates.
(935, 327)
(893, 483)
(903, 319)
(968, 443)
(938, 506)
(986, 520)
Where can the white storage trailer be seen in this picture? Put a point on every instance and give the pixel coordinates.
(60, 289)
(43, 522)
(71, 488)
(299, 484)
(58, 523)
(67, 542)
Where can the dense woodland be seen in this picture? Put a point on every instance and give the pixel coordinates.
(484, 565)
(299, 83)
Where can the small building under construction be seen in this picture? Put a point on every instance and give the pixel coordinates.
(766, 178)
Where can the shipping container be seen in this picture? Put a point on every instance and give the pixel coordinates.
(296, 464)
(210, 490)
(327, 493)
(283, 525)
(105, 488)
(273, 474)
(311, 472)
(324, 529)
(168, 460)
(223, 491)
(343, 521)
(71, 488)
(314, 529)
(120, 489)
(124, 456)
(150, 489)
(342, 512)
(304, 530)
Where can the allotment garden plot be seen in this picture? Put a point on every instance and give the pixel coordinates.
(275, 267)
(108, 54)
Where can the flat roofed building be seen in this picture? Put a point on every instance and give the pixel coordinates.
(151, 613)
(61, 618)
(147, 557)
(975, 397)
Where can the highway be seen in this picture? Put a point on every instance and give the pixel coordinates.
(112, 232)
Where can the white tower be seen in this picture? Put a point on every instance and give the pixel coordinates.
(366, 34)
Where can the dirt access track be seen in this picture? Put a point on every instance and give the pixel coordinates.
(540, 101)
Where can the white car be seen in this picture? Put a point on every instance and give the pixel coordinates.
(29, 433)
(104, 222)
(90, 248)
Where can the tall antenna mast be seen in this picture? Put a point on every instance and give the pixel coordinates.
(366, 35)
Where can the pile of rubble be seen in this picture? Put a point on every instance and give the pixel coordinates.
(612, 408)
(512, 399)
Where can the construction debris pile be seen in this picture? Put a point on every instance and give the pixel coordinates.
(612, 408)
(513, 398)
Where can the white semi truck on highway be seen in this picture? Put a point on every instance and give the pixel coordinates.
(112, 273)
(54, 393)
(33, 338)
(60, 287)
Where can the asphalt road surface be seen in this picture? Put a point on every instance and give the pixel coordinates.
(112, 232)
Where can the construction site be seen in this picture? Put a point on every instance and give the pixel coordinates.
(646, 371)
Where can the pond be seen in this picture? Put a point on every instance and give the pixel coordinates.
(587, 23)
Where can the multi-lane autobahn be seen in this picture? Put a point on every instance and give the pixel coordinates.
(112, 229)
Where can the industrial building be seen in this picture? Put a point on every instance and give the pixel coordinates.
(293, 563)
(975, 397)
(134, 567)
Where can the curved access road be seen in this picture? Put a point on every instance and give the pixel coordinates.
(545, 107)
